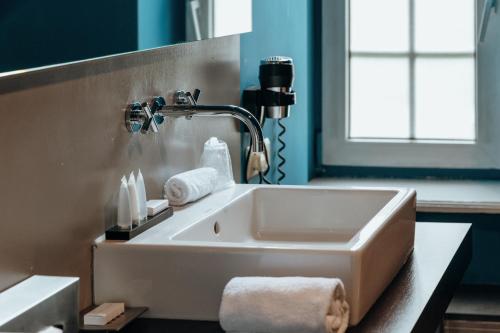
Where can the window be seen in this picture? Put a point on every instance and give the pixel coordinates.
(409, 71)
(402, 83)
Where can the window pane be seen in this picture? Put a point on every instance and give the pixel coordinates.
(445, 102)
(444, 25)
(379, 98)
(381, 25)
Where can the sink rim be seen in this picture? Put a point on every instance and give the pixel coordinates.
(198, 212)
(355, 244)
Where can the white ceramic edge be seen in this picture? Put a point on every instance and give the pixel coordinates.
(357, 242)
(29, 292)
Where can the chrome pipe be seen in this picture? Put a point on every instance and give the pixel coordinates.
(188, 111)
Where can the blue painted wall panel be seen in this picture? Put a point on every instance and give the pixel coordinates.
(36, 33)
(283, 27)
(160, 22)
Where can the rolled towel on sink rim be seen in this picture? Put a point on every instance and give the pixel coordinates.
(190, 185)
(284, 305)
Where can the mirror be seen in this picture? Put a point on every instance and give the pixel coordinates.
(36, 33)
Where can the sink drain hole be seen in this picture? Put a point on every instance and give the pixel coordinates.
(216, 228)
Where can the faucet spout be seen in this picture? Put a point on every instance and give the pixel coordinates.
(243, 115)
(257, 159)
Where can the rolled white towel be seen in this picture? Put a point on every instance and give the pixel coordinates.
(284, 305)
(190, 185)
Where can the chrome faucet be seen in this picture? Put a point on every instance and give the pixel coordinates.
(147, 116)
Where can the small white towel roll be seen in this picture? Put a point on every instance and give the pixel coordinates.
(284, 305)
(190, 186)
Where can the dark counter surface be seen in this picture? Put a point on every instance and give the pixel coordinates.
(416, 299)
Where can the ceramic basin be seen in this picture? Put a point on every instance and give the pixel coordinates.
(180, 267)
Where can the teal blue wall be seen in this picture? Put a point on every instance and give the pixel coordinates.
(160, 22)
(36, 33)
(284, 27)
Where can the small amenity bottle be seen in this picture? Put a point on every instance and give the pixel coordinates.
(141, 193)
(134, 199)
(124, 216)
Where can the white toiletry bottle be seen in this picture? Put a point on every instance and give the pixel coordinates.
(141, 191)
(134, 199)
(124, 216)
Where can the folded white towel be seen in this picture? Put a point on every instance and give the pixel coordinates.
(190, 185)
(284, 305)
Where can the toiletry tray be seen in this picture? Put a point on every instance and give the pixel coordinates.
(116, 324)
(118, 233)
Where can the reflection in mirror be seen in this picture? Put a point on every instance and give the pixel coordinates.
(216, 18)
(37, 33)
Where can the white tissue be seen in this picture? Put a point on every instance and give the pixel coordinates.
(190, 185)
(124, 216)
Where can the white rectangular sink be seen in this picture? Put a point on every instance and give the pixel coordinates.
(180, 267)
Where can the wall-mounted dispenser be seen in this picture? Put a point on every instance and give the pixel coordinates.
(273, 99)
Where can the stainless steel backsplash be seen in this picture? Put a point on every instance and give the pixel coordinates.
(64, 148)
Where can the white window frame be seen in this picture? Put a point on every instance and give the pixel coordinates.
(339, 150)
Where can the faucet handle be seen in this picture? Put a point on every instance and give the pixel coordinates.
(156, 105)
(149, 121)
(134, 117)
(196, 95)
(182, 97)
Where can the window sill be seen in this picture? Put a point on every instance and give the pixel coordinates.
(436, 196)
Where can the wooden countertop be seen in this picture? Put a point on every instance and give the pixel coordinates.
(414, 302)
(418, 297)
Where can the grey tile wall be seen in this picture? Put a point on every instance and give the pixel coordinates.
(64, 148)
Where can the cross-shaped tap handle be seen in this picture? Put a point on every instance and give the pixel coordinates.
(194, 96)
